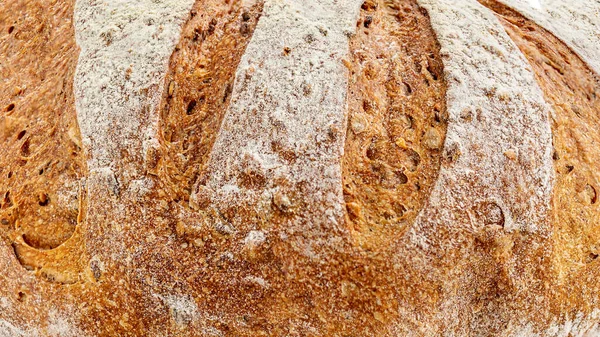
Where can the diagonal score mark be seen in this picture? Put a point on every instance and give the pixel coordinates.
(496, 174)
(499, 139)
(576, 23)
(281, 141)
(125, 49)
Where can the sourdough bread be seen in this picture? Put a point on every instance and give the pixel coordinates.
(299, 168)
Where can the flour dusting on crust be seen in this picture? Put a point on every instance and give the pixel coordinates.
(7, 329)
(577, 23)
(282, 138)
(579, 326)
(125, 49)
(497, 169)
(498, 146)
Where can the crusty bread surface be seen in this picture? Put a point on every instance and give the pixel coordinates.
(299, 168)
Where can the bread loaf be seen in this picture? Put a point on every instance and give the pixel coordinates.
(299, 168)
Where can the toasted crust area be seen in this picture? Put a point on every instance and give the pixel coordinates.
(574, 23)
(41, 157)
(397, 121)
(296, 168)
(573, 90)
(199, 84)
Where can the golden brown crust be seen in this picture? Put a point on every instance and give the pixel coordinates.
(573, 90)
(147, 264)
(41, 157)
(397, 121)
(194, 266)
(199, 85)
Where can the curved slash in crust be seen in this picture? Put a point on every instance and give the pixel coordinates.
(125, 49)
(498, 143)
(576, 23)
(573, 89)
(41, 156)
(397, 121)
(280, 144)
(496, 175)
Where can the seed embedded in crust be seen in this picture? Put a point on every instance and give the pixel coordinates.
(282, 202)
(432, 139)
(511, 154)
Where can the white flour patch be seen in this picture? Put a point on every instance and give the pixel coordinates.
(257, 280)
(494, 105)
(61, 326)
(183, 309)
(4, 303)
(578, 326)
(125, 49)
(576, 23)
(289, 94)
(535, 3)
(7, 329)
(255, 238)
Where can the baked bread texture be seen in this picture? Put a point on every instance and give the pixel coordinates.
(299, 168)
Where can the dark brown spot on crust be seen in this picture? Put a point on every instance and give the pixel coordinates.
(95, 268)
(43, 199)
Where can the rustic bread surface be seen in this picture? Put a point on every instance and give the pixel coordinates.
(286, 168)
